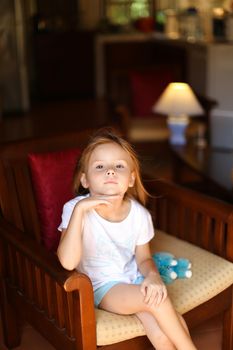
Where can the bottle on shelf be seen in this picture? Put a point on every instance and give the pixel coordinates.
(219, 21)
(229, 24)
(191, 24)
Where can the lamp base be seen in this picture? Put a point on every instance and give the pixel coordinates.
(177, 131)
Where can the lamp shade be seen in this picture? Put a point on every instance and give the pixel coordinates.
(178, 99)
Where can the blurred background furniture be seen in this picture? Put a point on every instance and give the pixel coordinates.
(59, 303)
(207, 170)
(133, 94)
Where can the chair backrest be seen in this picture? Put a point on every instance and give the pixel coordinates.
(29, 186)
(146, 86)
(140, 87)
(52, 174)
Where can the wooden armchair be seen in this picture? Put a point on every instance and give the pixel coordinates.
(59, 304)
(134, 92)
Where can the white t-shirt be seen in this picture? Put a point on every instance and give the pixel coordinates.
(109, 247)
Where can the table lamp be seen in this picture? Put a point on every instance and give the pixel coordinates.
(179, 103)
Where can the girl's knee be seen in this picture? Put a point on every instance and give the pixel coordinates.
(154, 308)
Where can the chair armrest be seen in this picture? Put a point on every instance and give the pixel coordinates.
(207, 103)
(34, 274)
(192, 216)
(123, 117)
(37, 254)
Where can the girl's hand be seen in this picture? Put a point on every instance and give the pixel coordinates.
(94, 202)
(153, 289)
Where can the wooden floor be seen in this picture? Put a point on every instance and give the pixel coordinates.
(56, 117)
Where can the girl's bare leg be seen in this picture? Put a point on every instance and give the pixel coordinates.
(128, 299)
(159, 340)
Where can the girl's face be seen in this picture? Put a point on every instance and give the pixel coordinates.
(109, 171)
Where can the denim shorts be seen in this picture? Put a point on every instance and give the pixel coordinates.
(101, 291)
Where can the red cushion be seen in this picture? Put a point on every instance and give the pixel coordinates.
(52, 182)
(146, 87)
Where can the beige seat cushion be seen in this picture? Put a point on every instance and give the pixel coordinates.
(211, 275)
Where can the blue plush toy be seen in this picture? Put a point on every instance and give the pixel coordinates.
(183, 268)
(171, 268)
(165, 263)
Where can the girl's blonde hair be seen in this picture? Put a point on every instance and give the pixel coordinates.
(104, 136)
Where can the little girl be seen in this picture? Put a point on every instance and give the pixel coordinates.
(106, 235)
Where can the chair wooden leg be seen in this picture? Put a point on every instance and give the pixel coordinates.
(228, 328)
(10, 324)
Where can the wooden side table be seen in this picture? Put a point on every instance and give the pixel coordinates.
(204, 169)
